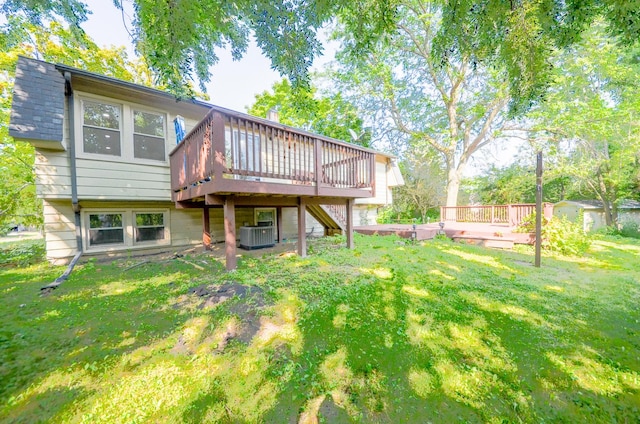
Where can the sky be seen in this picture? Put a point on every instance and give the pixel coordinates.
(233, 84)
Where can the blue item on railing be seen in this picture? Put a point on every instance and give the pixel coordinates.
(178, 123)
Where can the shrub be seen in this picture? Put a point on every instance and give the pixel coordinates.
(22, 253)
(559, 234)
(630, 229)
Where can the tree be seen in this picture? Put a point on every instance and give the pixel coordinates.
(454, 109)
(330, 115)
(516, 183)
(593, 112)
(424, 188)
(54, 43)
(521, 36)
(179, 39)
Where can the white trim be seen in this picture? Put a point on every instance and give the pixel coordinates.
(128, 223)
(127, 109)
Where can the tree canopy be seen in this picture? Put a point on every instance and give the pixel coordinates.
(179, 38)
(328, 115)
(453, 109)
(54, 43)
(521, 36)
(591, 117)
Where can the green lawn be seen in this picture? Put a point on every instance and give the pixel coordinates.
(389, 332)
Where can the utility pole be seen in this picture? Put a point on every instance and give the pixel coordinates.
(538, 209)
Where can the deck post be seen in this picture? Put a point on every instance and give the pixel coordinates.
(230, 232)
(302, 227)
(206, 231)
(350, 224)
(217, 141)
(279, 223)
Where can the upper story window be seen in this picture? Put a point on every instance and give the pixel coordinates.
(148, 135)
(120, 131)
(101, 128)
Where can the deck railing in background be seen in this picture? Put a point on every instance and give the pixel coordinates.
(238, 147)
(492, 214)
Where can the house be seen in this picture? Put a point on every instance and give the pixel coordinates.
(113, 179)
(593, 212)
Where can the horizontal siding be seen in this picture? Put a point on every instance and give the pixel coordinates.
(59, 227)
(216, 222)
(120, 180)
(186, 226)
(53, 174)
(290, 224)
(364, 215)
(383, 192)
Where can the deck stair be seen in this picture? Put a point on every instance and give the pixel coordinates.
(332, 217)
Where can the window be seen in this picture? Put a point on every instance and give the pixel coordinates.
(101, 128)
(120, 131)
(149, 227)
(125, 228)
(148, 135)
(105, 228)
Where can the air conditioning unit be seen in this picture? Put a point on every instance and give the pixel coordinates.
(256, 237)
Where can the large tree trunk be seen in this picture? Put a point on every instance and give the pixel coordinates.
(610, 215)
(454, 175)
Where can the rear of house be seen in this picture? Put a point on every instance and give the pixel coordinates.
(103, 169)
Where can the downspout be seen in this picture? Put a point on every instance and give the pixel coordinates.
(68, 92)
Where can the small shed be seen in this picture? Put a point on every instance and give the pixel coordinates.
(593, 212)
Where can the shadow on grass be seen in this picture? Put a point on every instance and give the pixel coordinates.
(99, 314)
(389, 332)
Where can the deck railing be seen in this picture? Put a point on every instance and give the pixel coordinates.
(492, 214)
(227, 146)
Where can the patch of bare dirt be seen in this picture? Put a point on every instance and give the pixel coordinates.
(247, 306)
(332, 413)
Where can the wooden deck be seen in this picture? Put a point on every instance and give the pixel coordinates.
(233, 153)
(511, 215)
(486, 234)
(231, 159)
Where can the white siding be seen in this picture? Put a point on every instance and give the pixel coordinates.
(216, 222)
(364, 215)
(383, 191)
(628, 216)
(59, 229)
(290, 224)
(104, 177)
(122, 181)
(53, 175)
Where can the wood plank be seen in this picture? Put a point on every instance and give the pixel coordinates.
(343, 192)
(302, 226)
(230, 233)
(206, 233)
(350, 243)
(279, 228)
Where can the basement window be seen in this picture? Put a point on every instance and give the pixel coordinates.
(149, 227)
(105, 228)
(116, 229)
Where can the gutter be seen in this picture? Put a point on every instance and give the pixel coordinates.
(81, 73)
(68, 92)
